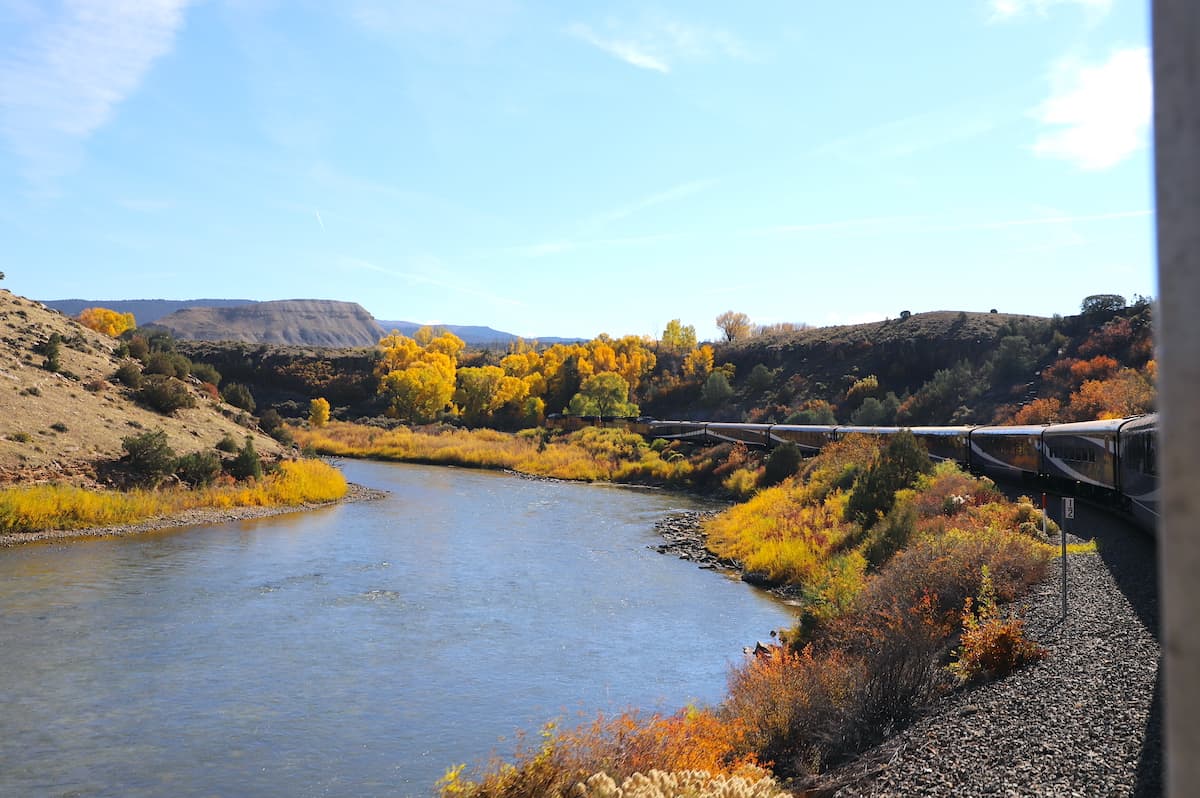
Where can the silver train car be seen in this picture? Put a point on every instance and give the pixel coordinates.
(1113, 461)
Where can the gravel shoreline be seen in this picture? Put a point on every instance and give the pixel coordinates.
(202, 516)
(1086, 721)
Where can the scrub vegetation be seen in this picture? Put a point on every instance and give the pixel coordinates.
(901, 568)
(591, 454)
(39, 507)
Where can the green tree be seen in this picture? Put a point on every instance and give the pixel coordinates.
(198, 468)
(149, 456)
(51, 349)
(876, 412)
(781, 463)
(716, 390)
(898, 466)
(164, 394)
(603, 394)
(759, 379)
(679, 338)
(1102, 303)
(238, 395)
(247, 464)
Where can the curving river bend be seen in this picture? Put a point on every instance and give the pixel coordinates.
(358, 650)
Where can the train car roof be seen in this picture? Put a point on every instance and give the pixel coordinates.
(1086, 427)
(1141, 422)
(961, 430)
(737, 424)
(806, 427)
(868, 430)
(1023, 429)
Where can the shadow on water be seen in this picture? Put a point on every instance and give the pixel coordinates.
(1130, 554)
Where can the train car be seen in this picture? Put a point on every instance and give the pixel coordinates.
(569, 423)
(810, 438)
(945, 443)
(1083, 453)
(1137, 468)
(1007, 452)
(678, 430)
(842, 432)
(727, 432)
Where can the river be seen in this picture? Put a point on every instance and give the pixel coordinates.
(357, 650)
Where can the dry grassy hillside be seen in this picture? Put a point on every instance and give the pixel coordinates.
(61, 425)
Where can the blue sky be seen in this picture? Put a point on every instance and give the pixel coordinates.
(571, 168)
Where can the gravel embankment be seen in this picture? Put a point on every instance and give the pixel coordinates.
(1083, 722)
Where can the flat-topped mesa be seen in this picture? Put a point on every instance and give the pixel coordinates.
(308, 322)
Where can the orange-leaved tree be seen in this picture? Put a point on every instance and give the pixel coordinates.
(108, 322)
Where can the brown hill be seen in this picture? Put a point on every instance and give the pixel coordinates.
(61, 425)
(294, 322)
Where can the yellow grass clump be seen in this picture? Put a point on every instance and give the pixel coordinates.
(690, 783)
(39, 507)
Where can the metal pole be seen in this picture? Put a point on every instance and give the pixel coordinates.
(1063, 534)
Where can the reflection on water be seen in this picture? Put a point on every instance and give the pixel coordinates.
(354, 651)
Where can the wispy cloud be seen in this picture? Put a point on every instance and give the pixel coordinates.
(548, 248)
(477, 24)
(928, 224)
(587, 234)
(145, 205)
(73, 71)
(1097, 116)
(909, 135)
(650, 200)
(1004, 10)
(320, 221)
(427, 271)
(659, 45)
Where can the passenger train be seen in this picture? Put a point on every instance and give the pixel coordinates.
(1114, 461)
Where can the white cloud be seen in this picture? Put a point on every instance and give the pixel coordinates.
(1097, 116)
(625, 50)
(74, 67)
(1003, 10)
(660, 44)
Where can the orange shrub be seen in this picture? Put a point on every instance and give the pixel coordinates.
(992, 646)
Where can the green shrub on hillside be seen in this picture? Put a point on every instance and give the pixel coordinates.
(165, 394)
(149, 456)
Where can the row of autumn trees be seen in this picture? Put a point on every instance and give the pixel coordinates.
(422, 380)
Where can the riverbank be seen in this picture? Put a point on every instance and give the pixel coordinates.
(1084, 721)
(200, 516)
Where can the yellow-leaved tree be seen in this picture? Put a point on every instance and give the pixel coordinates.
(108, 322)
(418, 382)
(318, 412)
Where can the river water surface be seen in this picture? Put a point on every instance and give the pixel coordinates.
(358, 650)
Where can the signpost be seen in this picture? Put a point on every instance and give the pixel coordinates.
(1068, 513)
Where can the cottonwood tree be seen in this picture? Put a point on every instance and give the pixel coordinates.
(735, 326)
(107, 322)
(603, 394)
(678, 337)
(318, 412)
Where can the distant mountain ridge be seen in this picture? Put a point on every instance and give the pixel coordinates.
(252, 326)
(146, 311)
(292, 322)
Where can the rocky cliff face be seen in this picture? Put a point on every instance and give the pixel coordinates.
(297, 322)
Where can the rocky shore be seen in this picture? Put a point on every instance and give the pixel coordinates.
(1083, 722)
(198, 517)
